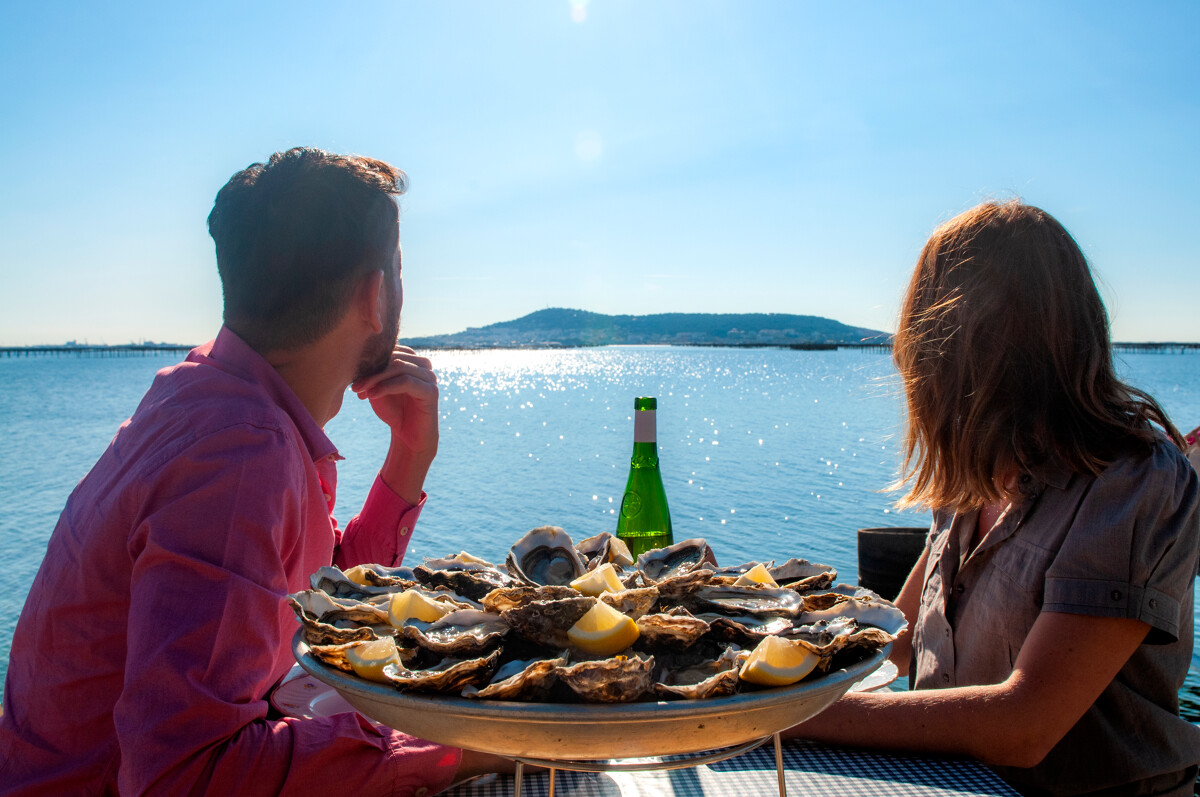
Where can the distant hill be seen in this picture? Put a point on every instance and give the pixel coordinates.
(562, 327)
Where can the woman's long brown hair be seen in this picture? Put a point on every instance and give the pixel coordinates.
(1004, 350)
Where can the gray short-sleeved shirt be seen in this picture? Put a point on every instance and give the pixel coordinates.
(1121, 544)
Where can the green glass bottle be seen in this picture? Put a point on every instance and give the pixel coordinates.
(644, 521)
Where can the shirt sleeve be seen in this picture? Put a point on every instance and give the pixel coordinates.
(380, 533)
(207, 629)
(1132, 547)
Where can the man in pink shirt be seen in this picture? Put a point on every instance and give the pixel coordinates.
(156, 627)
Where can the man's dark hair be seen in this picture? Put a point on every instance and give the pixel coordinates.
(294, 237)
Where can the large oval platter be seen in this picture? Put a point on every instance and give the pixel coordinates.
(590, 731)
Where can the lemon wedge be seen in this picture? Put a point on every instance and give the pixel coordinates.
(778, 662)
(357, 575)
(412, 605)
(368, 659)
(603, 631)
(602, 579)
(756, 575)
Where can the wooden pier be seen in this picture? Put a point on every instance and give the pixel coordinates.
(126, 350)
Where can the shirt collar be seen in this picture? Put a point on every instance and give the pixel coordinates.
(233, 354)
(1054, 476)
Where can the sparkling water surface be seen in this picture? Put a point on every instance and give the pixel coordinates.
(766, 453)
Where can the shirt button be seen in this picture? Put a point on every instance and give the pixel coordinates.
(1116, 595)
(960, 589)
(946, 677)
(1153, 603)
(947, 633)
(404, 531)
(328, 497)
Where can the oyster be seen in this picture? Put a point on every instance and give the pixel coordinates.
(335, 655)
(379, 576)
(675, 629)
(332, 581)
(545, 555)
(448, 675)
(802, 575)
(744, 629)
(604, 547)
(620, 679)
(469, 579)
(674, 590)
(632, 602)
(829, 637)
(818, 601)
(511, 597)
(520, 679)
(546, 622)
(682, 557)
(463, 633)
(753, 600)
(864, 611)
(715, 678)
(329, 621)
(730, 573)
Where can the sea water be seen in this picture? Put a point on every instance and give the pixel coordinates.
(766, 453)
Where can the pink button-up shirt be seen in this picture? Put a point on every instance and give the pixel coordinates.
(156, 627)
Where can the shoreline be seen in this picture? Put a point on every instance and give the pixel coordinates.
(131, 349)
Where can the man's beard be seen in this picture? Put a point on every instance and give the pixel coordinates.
(377, 351)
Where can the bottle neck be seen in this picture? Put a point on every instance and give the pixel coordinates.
(644, 427)
(645, 455)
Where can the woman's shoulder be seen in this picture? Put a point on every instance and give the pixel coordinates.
(1158, 473)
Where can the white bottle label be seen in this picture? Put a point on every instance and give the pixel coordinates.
(644, 430)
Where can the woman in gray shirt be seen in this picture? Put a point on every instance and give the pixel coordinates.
(1051, 612)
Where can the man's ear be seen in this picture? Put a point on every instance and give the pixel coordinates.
(370, 301)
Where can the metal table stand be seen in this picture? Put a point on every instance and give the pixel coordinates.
(710, 757)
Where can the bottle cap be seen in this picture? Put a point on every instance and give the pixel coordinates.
(645, 403)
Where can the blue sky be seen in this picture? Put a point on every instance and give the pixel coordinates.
(619, 156)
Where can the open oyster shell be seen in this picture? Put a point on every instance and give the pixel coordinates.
(468, 579)
(521, 679)
(712, 678)
(620, 679)
(604, 547)
(632, 602)
(335, 655)
(682, 557)
(674, 590)
(448, 675)
(545, 555)
(670, 630)
(332, 581)
(463, 633)
(330, 621)
(546, 622)
(865, 611)
(803, 575)
(754, 600)
(745, 629)
(512, 597)
(828, 637)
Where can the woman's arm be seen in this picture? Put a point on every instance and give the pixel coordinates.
(1066, 662)
(909, 602)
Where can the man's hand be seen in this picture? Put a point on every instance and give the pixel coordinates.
(404, 395)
